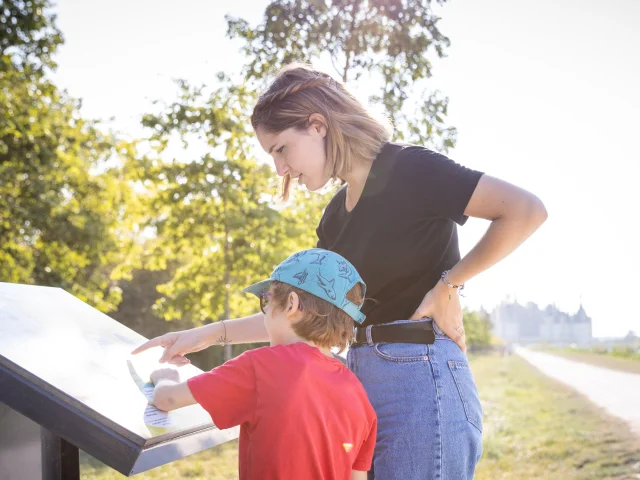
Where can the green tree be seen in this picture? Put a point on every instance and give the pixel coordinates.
(477, 326)
(389, 41)
(28, 35)
(212, 214)
(64, 216)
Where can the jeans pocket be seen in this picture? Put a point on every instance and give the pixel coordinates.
(468, 391)
(401, 352)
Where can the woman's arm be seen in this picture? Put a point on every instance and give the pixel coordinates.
(177, 344)
(241, 330)
(514, 214)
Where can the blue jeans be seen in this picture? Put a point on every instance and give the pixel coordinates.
(429, 413)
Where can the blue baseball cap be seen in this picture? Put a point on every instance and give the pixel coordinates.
(322, 273)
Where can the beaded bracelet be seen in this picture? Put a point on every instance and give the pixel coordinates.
(459, 288)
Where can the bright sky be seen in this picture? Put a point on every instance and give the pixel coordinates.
(544, 95)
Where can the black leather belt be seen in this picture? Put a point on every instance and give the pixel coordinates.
(410, 332)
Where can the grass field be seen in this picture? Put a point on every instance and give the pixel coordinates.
(534, 428)
(538, 428)
(220, 463)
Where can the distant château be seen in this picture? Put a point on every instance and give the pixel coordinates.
(516, 323)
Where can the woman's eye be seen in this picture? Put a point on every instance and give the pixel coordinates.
(280, 149)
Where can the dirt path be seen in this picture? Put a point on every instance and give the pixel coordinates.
(617, 392)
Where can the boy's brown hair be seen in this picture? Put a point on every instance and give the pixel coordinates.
(323, 323)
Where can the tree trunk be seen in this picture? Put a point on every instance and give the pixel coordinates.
(355, 7)
(228, 352)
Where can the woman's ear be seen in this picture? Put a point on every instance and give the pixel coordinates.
(318, 124)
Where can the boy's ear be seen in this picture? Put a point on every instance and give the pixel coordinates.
(293, 302)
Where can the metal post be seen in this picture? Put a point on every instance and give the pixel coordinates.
(60, 459)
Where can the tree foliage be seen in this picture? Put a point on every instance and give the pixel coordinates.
(212, 213)
(79, 208)
(388, 41)
(63, 215)
(477, 326)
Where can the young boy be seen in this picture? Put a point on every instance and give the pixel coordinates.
(303, 414)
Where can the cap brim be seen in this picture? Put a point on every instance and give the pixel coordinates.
(258, 288)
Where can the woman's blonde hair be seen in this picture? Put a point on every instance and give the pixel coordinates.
(299, 91)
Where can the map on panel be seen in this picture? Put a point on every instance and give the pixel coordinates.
(86, 354)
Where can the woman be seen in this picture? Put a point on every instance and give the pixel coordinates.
(394, 220)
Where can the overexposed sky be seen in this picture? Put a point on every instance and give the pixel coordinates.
(544, 95)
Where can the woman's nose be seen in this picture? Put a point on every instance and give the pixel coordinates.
(281, 166)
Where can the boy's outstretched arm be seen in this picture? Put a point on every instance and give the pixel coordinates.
(169, 393)
(358, 475)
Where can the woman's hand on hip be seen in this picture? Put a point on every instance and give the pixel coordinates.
(442, 304)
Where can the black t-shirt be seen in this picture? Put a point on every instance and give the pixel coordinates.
(401, 235)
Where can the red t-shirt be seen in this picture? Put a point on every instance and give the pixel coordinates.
(302, 414)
